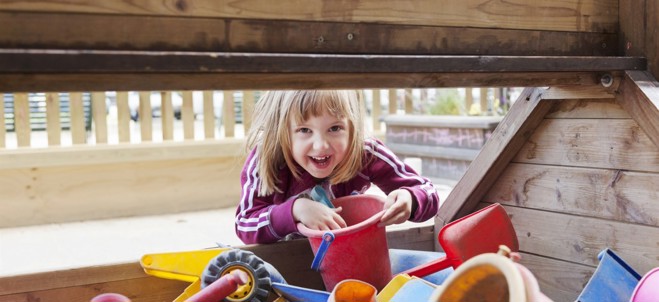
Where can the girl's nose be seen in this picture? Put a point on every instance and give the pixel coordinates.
(320, 143)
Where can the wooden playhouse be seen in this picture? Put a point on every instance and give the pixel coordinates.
(575, 162)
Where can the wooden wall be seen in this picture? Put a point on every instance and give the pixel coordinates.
(586, 179)
(54, 185)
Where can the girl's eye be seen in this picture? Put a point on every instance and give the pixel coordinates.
(335, 128)
(304, 130)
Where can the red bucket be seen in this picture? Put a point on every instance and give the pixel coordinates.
(358, 251)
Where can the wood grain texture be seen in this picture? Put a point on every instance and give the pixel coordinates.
(291, 258)
(258, 81)
(511, 134)
(579, 239)
(167, 115)
(53, 124)
(639, 96)
(600, 193)
(209, 115)
(598, 143)
(78, 131)
(147, 62)
(22, 120)
(86, 31)
(569, 15)
(99, 116)
(123, 117)
(587, 108)
(558, 280)
(81, 183)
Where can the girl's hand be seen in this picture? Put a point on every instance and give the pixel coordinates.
(317, 216)
(398, 207)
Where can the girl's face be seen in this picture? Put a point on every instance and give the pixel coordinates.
(319, 144)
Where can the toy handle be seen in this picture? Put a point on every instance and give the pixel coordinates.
(328, 237)
(429, 268)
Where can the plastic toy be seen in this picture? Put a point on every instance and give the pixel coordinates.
(613, 280)
(647, 289)
(291, 293)
(358, 251)
(405, 288)
(490, 277)
(203, 267)
(480, 232)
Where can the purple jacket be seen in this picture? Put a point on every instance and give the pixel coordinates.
(266, 219)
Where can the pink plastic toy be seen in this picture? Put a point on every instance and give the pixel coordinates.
(647, 290)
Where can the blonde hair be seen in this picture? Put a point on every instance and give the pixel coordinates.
(270, 133)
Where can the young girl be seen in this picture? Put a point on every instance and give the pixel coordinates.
(301, 139)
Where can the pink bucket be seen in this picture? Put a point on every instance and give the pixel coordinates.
(358, 251)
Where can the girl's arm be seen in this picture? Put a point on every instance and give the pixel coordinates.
(261, 219)
(390, 173)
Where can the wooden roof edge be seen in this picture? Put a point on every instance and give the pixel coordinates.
(638, 94)
(36, 61)
(511, 134)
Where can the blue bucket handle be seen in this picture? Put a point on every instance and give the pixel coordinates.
(328, 238)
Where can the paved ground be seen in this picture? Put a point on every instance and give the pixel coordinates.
(70, 245)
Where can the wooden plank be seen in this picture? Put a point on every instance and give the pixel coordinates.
(42, 195)
(166, 115)
(408, 101)
(85, 31)
(586, 92)
(570, 15)
(393, 101)
(78, 132)
(99, 115)
(587, 108)
(209, 115)
(115, 154)
(121, 61)
(376, 112)
(2, 124)
(632, 27)
(511, 134)
(187, 115)
(123, 117)
(601, 193)
(579, 239)
(651, 32)
(248, 109)
(558, 280)
(639, 96)
(22, 119)
(291, 258)
(53, 125)
(598, 143)
(145, 115)
(258, 81)
(228, 114)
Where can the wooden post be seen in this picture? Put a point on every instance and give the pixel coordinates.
(145, 116)
(22, 119)
(77, 118)
(409, 101)
(99, 116)
(53, 126)
(167, 115)
(393, 101)
(123, 117)
(187, 115)
(209, 115)
(248, 109)
(2, 125)
(469, 98)
(376, 111)
(483, 100)
(228, 114)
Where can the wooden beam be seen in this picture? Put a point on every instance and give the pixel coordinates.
(148, 62)
(639, 96)
(262, 81)
(520, 122)
(567, 15)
